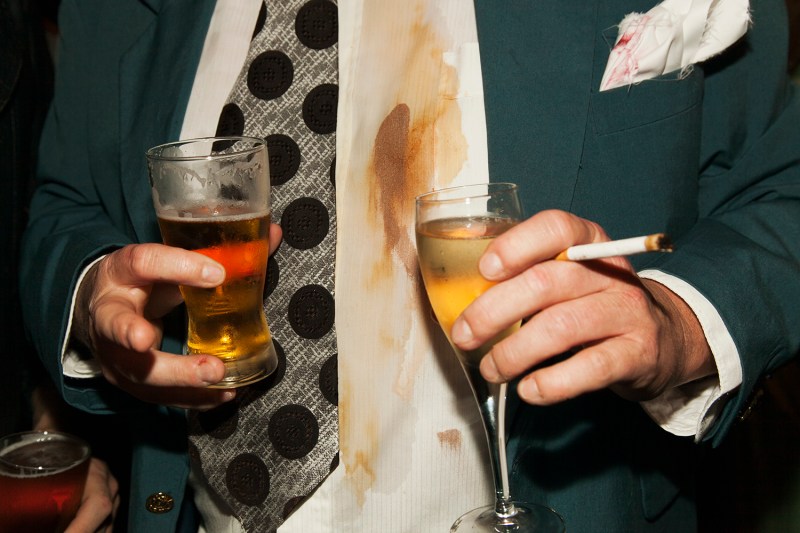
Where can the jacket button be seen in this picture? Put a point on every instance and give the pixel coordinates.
(159, 503)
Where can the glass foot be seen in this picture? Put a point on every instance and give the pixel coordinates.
(247, 370)
(527, 518)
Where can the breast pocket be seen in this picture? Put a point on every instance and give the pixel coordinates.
(640, 160)
(646, 102)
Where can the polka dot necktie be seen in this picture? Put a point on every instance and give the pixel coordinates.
(265, 452)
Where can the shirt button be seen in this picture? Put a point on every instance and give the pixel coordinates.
(159, 503)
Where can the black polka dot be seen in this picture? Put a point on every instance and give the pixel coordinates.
(317, 24)
(231, 121)
(250, 393)
(305, 223)
(270, 75)
(262, 18)
(293, 431)
(221, 421)
(247, 478)
(311, 311)
(332, 172)
(319, 108)
(284, 158)
(273, 276)
(329, 380)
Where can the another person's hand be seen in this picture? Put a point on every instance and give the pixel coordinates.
(99, 503)
(118, 314)
(628, 334)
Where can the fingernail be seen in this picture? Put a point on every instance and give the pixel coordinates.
(490, 266)
(461, 332)
(213, 274)
(528, 391)
(489, 370)
(207, 373)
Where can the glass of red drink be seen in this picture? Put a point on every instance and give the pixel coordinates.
(42, 476)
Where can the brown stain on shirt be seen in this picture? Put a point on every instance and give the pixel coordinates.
(450, 439)
(419, 139)
(392, 185)
(359, 469)
(417, 144)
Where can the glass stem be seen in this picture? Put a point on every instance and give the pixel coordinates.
(493, 411)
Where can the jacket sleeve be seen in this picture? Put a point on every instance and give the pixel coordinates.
(79, 210)
(68, 224)
(743, 253)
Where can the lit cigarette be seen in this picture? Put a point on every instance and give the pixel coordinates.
(658, 242)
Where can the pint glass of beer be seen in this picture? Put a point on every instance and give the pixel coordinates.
(42, 475)
(212, 196)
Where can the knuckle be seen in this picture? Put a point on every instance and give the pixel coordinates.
(596, 231)
(479, 316)
(104, 504)
(139, 258)
(634, 298)
(559, 224)
(536, 280)
(109, 375)
(602, 365)
(562, 324)
(507, 361)
(551, 391)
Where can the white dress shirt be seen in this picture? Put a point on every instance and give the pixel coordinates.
(407, 417)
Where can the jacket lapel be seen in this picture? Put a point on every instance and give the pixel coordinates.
(156, 76)
(548, 68)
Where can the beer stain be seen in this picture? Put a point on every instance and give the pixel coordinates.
(393, 185)
(450, 439)
(362, 475)
(419, 141)
(359, 469)
(417, 146)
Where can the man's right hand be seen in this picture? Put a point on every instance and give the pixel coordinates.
(118, 315)
(120, 304)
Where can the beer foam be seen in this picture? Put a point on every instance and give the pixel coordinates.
(206, 214)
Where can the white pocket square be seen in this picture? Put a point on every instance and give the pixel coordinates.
(671, 37)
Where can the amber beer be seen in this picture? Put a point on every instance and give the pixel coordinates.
(42, 476)
(228, 321)
(212, 196)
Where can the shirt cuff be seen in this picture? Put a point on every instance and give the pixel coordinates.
(692, 409)
(75, 363)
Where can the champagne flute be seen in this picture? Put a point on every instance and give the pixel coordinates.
(453, 228)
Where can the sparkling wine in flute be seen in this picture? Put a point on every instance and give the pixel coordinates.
(227, 321)
(454, 227)
(449, 250)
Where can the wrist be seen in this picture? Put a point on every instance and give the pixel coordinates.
(682, 337)
(81, 322)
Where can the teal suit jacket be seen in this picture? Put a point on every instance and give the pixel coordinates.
(714, 159)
